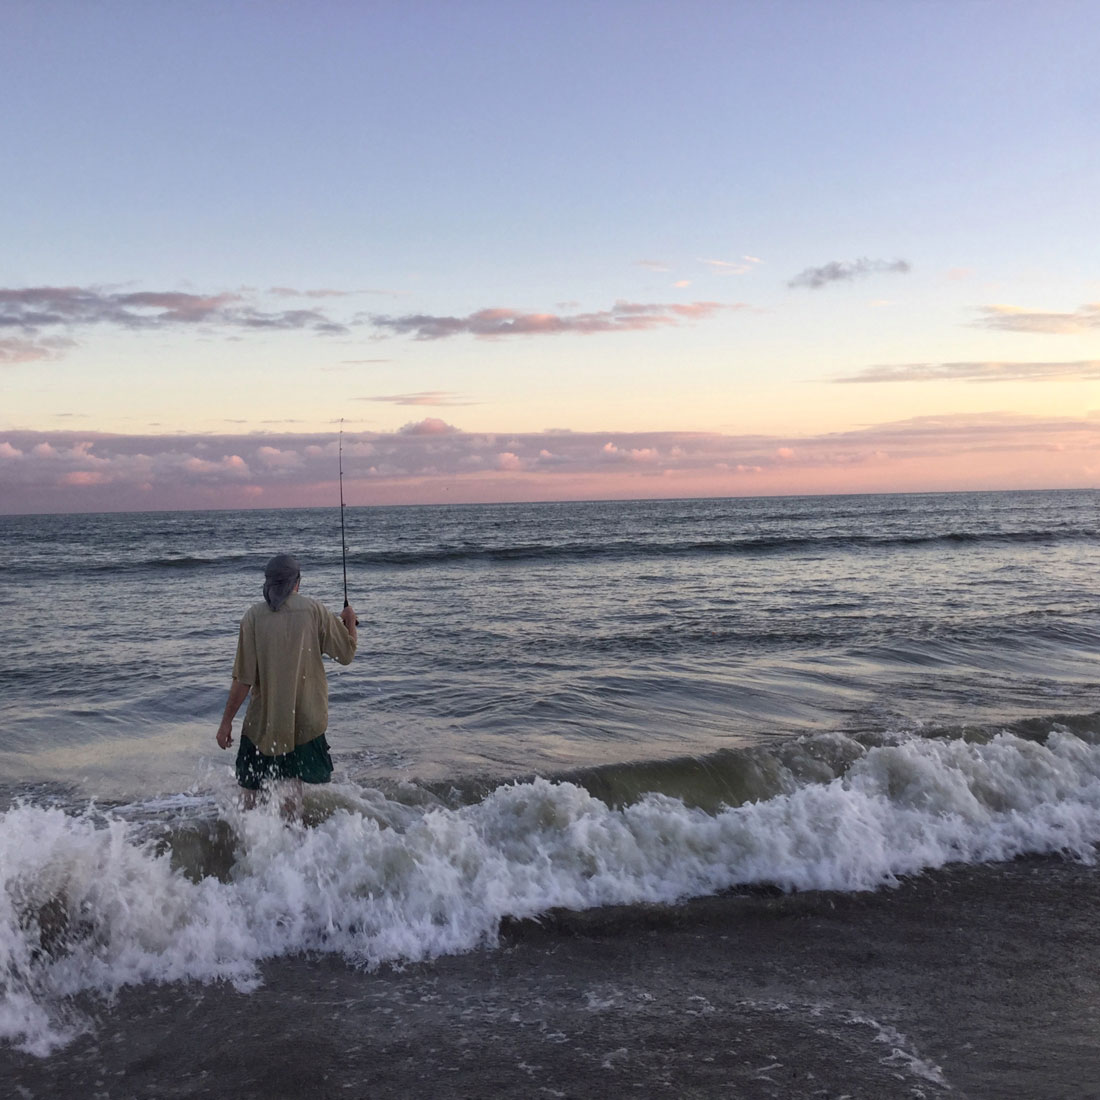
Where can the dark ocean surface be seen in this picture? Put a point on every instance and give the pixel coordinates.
(553, 707)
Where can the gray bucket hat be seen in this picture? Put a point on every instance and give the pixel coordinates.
(281, 575)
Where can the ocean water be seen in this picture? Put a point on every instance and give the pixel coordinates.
(553, 706)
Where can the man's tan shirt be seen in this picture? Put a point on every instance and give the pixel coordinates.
(279, 656)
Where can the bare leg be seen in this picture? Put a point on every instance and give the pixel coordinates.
(293, 799)
(289, 792)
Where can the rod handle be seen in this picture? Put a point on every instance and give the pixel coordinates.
(347, 603)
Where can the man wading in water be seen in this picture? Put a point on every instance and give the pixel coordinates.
(279, 661)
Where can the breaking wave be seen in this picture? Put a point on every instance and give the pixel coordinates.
(94, 901)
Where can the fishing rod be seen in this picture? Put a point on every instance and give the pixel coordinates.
(343, 530)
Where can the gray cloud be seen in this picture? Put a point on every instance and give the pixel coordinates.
(31, 310)
(622, 317)
(838, 272)
(976, 372)
(289, 319)
(34, 314)
(1018, 319)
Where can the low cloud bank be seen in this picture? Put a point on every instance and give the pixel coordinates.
(431, 460)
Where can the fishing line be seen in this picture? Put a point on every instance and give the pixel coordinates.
(343, 530)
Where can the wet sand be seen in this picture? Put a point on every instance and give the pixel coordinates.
(975, 982)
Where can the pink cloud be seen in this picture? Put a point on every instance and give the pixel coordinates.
(357, 448)
(84, 477)
(275, 459)
(487, 323)
(19, 350)
(170, 468)
(430, 426)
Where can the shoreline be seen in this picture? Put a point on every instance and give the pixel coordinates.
(970, 982)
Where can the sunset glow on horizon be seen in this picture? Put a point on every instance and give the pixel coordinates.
(612, 251)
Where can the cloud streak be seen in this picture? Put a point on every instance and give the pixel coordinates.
(490, 323)
(977, 372)
(1018, 319)
(424, 397)
(733, 267)
(837, 271)
(324, 292)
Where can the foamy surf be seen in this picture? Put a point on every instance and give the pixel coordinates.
(90, 903)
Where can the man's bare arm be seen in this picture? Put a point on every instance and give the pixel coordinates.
(238, 692)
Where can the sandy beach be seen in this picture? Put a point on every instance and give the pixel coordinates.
(819, 994)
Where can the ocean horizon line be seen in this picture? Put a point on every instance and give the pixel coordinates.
(572, 501)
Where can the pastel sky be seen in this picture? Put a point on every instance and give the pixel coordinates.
(535, 251)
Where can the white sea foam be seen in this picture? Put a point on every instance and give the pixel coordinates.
(85, 905)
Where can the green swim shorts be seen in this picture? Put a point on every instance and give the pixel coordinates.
(311, 763)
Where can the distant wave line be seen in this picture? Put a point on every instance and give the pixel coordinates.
(623, 549)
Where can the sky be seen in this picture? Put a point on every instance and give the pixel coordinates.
(529, 251)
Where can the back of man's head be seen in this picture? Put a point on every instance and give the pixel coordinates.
(280, 578)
